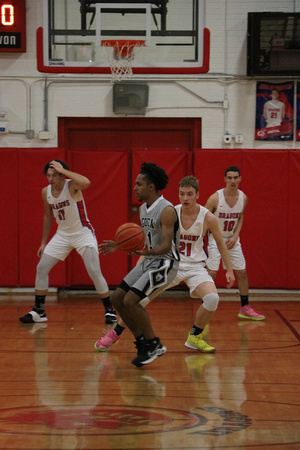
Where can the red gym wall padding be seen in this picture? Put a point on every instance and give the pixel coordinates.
(292, 230)
(264, 233)
(270, 179)
(9, 224)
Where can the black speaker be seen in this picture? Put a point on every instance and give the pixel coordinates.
(130, 98)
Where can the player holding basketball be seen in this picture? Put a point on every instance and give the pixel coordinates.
(274, 110)
(195, 222)
(228, 205)
(63, 200)
(159, 267)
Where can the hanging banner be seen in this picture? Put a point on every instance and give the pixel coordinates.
(274, 111)
(298, 113)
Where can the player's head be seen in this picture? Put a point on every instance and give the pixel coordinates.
(188, 191)
(189, 181)
(232, 169)
(232, 177)
(46, 167)
(155, 175)
(275, 93)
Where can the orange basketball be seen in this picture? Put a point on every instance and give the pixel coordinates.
(130, 237)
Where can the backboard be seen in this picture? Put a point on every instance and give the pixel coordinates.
(176, 40)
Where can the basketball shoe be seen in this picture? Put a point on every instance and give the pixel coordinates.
(196, 342)
(110, 316)
(148, 352)
(34, 316)
(246, 312)
(110, 337)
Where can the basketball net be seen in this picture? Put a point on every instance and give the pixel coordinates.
(120, 55)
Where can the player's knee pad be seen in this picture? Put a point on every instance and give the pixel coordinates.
(211, 301)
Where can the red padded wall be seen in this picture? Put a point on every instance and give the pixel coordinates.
(9, 224)
(270, 178)
(31, 210)
(107, 207)
(264, 233)
(292, 231)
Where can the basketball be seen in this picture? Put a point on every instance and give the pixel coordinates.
(130, 237)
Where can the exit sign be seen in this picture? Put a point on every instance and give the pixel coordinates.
(13, 26)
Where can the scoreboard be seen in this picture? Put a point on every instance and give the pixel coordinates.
(13, 26)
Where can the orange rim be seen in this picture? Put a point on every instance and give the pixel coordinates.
(123, 47)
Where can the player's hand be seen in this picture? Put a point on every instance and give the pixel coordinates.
(142, 252)
(230, 279)
(40, 251)
(107, 247)
(56, 166)
(230, 243)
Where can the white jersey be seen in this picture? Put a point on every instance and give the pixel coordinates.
(274, 113)
(227, 216)
(191, 241)
(70, 215)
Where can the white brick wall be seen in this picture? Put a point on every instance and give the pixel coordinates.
(22, 86)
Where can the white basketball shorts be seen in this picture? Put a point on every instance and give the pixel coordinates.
(193, 275)
(236, 256)
(61, 245)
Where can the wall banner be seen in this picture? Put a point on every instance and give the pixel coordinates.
(298, 113)
(274, 111)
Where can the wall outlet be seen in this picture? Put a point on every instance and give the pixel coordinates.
(239, 139)
(227, 138)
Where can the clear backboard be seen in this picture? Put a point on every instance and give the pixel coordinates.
(173, 31)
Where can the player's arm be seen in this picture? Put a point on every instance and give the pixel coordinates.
(211, 224)
(47, 222)
(233, 239)
(168, 218)
(212, 202)
(78, 182)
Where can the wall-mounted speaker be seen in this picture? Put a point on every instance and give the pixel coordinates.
(130, 98)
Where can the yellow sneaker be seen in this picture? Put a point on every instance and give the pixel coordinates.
(196, 342)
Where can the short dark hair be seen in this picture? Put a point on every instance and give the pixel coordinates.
(232, 169)
(189, 181)
(46, 167)
(154, 174)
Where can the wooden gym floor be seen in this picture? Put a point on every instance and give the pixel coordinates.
(57, 392)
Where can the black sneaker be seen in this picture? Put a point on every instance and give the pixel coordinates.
(35, 316)
(148, 352)
(110, 316)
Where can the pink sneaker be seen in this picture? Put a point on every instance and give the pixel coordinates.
(246, 312)
(110, 337)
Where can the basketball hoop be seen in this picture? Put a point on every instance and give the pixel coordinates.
(120, 54)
